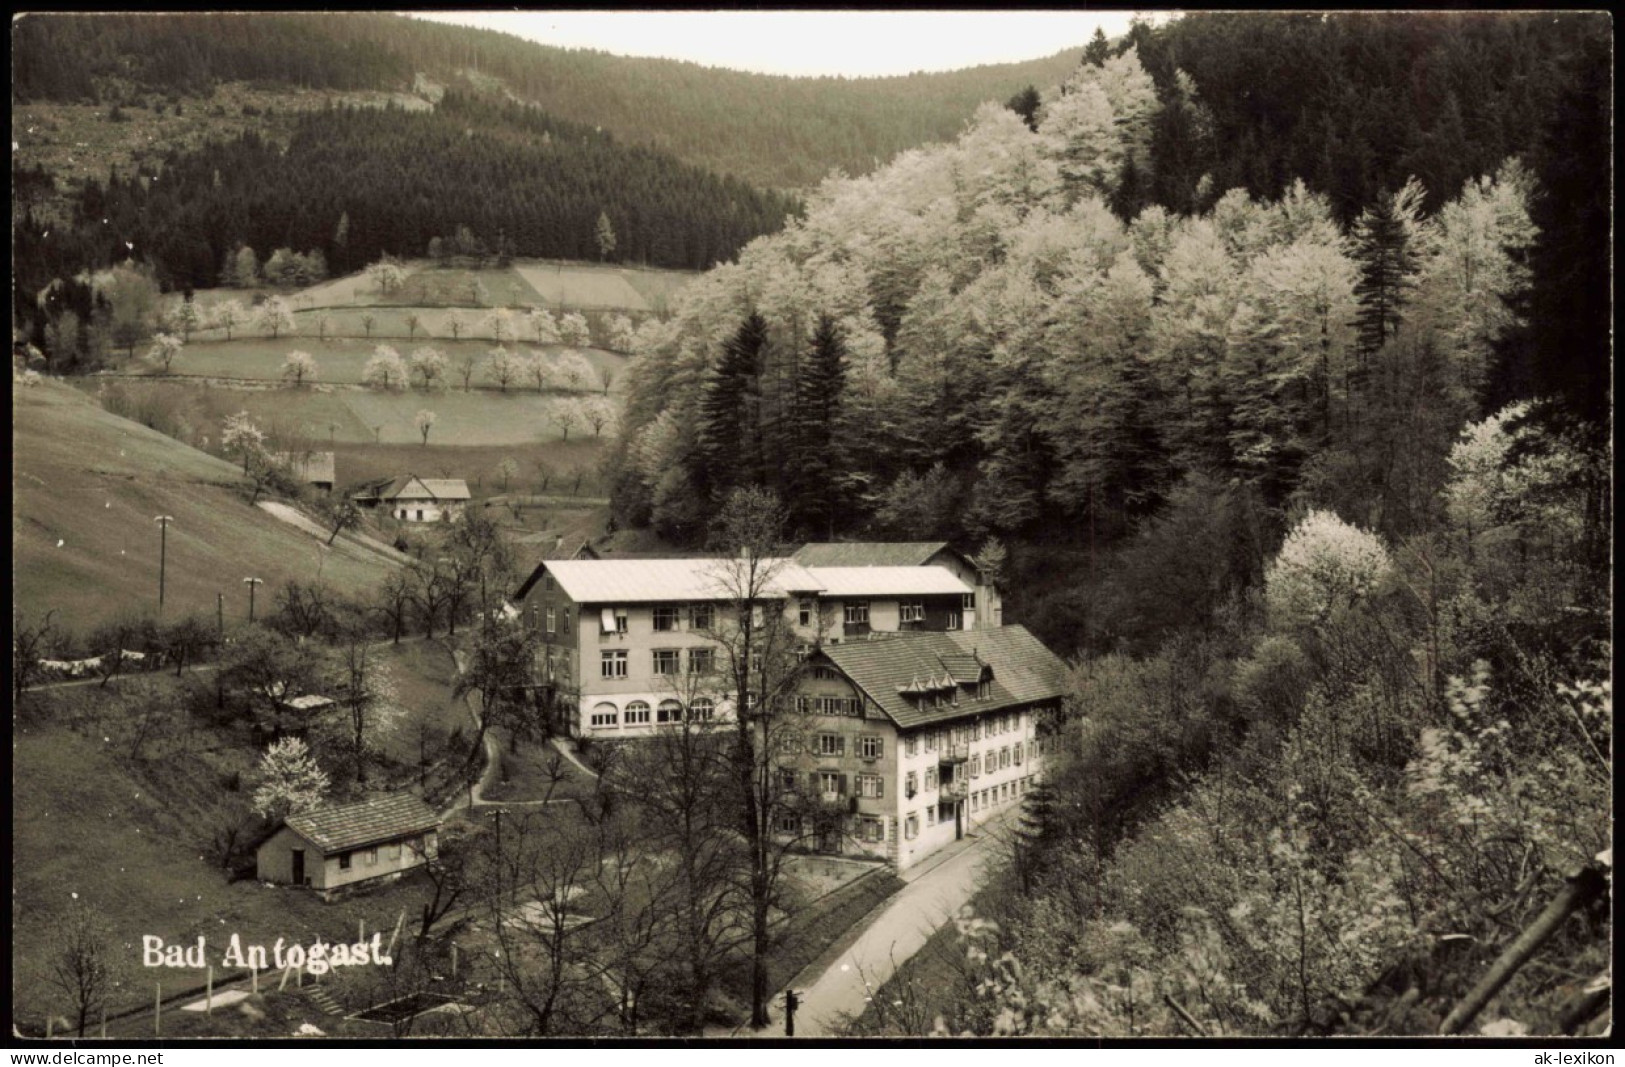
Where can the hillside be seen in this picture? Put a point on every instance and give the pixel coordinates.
(773, 131)
(86, 485)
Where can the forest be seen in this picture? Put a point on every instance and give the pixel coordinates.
(526, 183)
(1312, 481)
(779, 132)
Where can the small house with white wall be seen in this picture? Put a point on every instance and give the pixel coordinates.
(335, 847)
(414, 499)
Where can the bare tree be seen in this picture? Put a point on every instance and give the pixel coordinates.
(467, 363)
(29, 639)
(83, 963)
(395, 601)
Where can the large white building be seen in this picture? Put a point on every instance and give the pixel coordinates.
(633, 643)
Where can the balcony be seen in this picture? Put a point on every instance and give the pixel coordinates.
(954, 753)
(955, 790)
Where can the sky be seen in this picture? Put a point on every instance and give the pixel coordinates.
(850, 43)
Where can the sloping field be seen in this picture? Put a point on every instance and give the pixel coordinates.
(86, 485)
(482, 418)
(343, 360)
(578, 285)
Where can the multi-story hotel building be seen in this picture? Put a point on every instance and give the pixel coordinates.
(918, 738)
(631, 643)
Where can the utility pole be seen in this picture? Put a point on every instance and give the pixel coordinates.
(163, 522)
(791, 1002)
(251, 583)
(220, 615)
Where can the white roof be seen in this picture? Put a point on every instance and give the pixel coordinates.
(888, 581)
(310, 700)
(631, 581)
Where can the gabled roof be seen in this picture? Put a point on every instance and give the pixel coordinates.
(893, 670)
(633, 581)
(308, 466)
(573, 548)
(427, 489)
(888, 581)
(868, 553)
(366, 822)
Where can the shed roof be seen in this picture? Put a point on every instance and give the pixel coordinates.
(888, 581)
(868, 553)
(366, 822)
(890, 667)
(412, 487)
(631, 581)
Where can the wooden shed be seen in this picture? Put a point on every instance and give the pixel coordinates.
(333, 848)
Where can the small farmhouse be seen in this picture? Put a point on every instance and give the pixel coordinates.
(331, 849)
(310, 468)
(414, 499)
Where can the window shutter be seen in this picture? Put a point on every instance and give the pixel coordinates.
(840, 745)
(843, 785)
(880, 786)
(606, 620)
(816, 784)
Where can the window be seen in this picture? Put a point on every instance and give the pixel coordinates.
(620, 620)
(612, 664)
(344, 861)
(666, 661)
(873, 830)
(420, 514)
(910, 784)
(870, 747)
(392, 852)
(1016, 754)
(789, 824)
(665, 618)
(976, 802)
(911, 744)
(702, 709)
(911, 825)
(830, 783)
(930, 740)
(669, 711)
(831, 745)
(550, 626)
(564, 617)
(605, 714)
(930, 815)
(825, 674)
(968, 601)
(637, 713)
(857, 612)
(547, 581)
(911, 612)
(805, 613)
(699, 617)
(871, 785)
(369, 858)
(953, 621)
(976, 730)
(976, 765)
(984, 689)
(701, 660)
(930, 777)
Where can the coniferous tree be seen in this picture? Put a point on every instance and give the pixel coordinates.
(728, 452)
(1388, 265)
(1026, 104)
(816, 448)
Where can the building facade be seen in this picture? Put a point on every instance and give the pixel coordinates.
(914, 740)
(414, 499)
(631, 645)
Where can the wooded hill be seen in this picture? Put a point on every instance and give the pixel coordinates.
(780, 132)
(521, 182)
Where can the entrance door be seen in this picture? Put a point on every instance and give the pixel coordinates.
(959, 819)
(298, 866)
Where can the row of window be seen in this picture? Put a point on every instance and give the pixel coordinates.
(638, 713)
(828, 705)
(991, 725)
(670, 617)
(612, 663)
(980, 800)
(369, 856)
(868, 747)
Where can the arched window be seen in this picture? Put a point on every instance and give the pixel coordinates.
(637, 713)
(605, 714)
(702, 709)
(670, 711)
